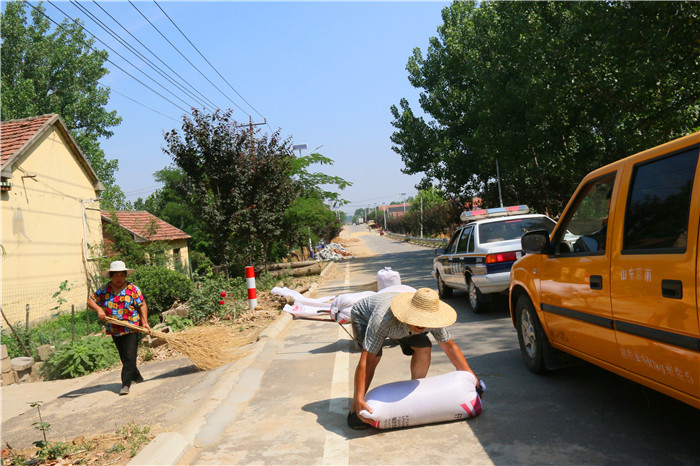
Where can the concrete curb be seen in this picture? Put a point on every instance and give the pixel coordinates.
(235, 385)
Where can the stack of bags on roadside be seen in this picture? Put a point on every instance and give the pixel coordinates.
(339, 307)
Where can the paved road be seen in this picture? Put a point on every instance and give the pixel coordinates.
(302, 388)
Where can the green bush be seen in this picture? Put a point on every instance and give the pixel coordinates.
(55, 331)
(82, 357)
(204, 302)
(178, 323)
(161, 287)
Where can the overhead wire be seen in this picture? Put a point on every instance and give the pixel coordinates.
(206, 60)
(188, 60)
(106, 59)
(155, 55)
(125, 59)
(140, 103)
(109, 31)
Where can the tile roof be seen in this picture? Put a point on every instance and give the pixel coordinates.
(14, 134)
(140, 222)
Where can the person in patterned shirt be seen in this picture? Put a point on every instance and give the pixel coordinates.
(124, 301)
(406, 318)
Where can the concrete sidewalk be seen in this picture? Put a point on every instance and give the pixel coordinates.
(173, 393)
(232, 386)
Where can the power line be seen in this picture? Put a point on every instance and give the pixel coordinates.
(205, 59)
(106, 59)
(141, 104)
(109, 31)
(145, 60)
(187, 59)
(156, 56)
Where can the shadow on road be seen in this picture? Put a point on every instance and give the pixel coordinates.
(104, 387)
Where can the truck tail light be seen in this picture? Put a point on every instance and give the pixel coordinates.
(501, 257)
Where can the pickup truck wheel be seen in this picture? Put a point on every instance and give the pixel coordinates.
(443, 290)
(477, 301)
(530, 335)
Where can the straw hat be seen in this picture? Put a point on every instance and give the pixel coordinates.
(423, 309)
(117, 266)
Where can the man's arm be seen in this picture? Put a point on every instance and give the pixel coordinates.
(456, 357)
(363, 376)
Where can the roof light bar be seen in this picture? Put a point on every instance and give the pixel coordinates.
(471, 215)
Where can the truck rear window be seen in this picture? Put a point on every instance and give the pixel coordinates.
(658, 206)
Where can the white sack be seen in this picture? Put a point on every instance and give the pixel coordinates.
(387, 277)
(398, 289)
(305, 311)
(342, 305)
(320, 303)
(445, 397)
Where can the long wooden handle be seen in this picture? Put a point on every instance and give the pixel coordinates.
(113, 321)
(155, 333)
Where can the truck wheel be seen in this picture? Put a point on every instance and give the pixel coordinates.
(443, 290)
(478, 302)
(530, 335)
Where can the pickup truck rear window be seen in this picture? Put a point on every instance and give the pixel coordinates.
(658, 206)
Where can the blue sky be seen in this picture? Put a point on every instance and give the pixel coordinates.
(325, 73)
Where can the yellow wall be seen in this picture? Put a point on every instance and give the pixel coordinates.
(184, 253)
(42, 231)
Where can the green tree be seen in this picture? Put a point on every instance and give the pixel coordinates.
(238, 183)
(310, 216)
(45, 71)
(550, 91)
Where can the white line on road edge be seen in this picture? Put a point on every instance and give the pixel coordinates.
(336, 450)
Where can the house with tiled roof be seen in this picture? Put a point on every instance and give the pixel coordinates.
(145, 227)
(51, 222)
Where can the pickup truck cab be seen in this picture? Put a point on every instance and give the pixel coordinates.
(616, 282)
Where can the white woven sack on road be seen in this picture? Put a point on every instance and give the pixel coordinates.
(299, 310)
(445, 397)
(387, 277)
(342, 305)
(398, 289)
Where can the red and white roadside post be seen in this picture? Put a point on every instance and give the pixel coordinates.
(250, 283)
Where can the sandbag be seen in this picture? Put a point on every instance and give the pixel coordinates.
(398, 289)
(445, 397)
(387, 277)
(342, 305)
(299, 310)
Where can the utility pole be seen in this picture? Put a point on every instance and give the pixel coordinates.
(421, 214)
(498, 176)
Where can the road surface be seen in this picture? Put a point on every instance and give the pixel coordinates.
(295, 409)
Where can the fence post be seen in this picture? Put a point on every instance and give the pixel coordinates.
(250, 283)
(26, 324)
(72, 322)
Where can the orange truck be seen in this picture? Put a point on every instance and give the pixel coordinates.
(616, 282)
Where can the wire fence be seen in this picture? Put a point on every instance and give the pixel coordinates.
(34, 302)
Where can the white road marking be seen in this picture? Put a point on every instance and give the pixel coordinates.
(336, 450)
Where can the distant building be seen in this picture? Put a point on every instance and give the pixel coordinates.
(395, 210)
